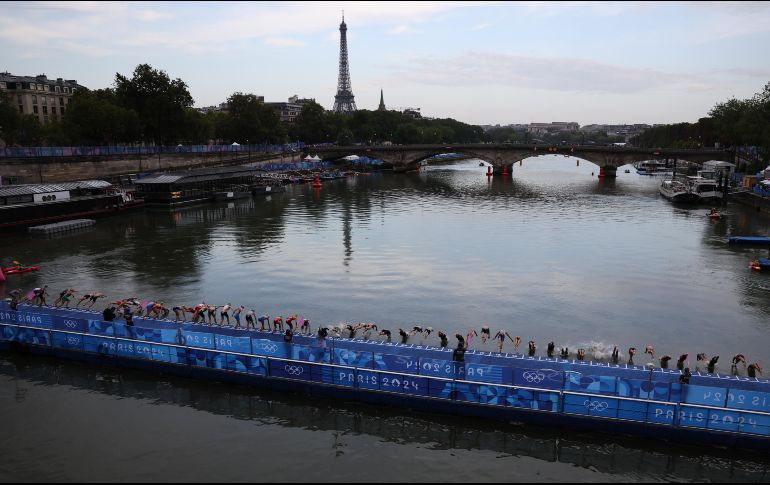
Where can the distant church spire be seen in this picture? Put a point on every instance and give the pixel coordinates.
(382, 102)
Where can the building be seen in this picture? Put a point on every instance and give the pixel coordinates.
(413, 113)
(289, 111)
(382, 102)
(39, 96)
(553, 127)
(223, 107)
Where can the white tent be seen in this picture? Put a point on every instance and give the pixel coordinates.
(351, 157)
(308, 158)
(236, 143)
(316, 158)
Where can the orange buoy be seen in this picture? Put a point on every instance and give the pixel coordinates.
(317, 183)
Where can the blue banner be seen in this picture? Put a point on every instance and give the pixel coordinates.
(270, 348)
(538, 378)
(232, 344)
(368, 379)
(70, 324)
(396, 363)
(488, 373)
(26, 318)
(661, 413)
(594, 384)
(290, 370)
(202, 340)
(706, 395)
(750, 400)
(67, 341)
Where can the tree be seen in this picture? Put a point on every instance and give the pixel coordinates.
(249, 119)
(95, 118)
(159, 102)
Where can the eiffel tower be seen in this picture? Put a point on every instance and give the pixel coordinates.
(344, 101)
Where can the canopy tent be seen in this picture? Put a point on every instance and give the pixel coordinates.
(235, 143)
(351, 157)
(308, 158)
(316, 158)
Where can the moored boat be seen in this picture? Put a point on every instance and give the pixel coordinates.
(676, 191)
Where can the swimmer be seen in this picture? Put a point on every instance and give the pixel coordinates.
(352, 329)
(250, 315)
(631, 353)
(500, 337)
(288, 335)
(426, 333)
(305, 326)
(551, 347)
(404, 335)
(183, 310)
(664, 361)
(685, 377)
(712, 364)
(460, 341)
(323, 332)
(753, 369)
(615, 355)
(739, 358)
(290, 321)
(264, 319)
(680, 361)
(469, 337)
(225, 313)
(90, 296)
(485, 334)
(211, 311)
(516, 343)
(531, 348)
(650, 350)
(64, 297)
(701, 357)
(386, 334)
(415, 330)
(237, 316)
(564, 352)
(278, 323)
(444, 340)
(581, 355)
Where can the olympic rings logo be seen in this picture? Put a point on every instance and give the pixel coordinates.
(70, 323)
(73, 340)
(533, 377)
(270, 348)
(597, 406)
(294, 370)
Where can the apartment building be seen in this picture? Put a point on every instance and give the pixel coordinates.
(44, 98)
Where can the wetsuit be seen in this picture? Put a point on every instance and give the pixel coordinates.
(404, 336)
(250, 319)
(444, 339)
(386, 333)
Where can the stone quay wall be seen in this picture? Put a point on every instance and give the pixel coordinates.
(66, 169)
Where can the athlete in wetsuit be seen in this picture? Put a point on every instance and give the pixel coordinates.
(250, 319)
(664, 361)
(290, 321)
(485, 334)
(712, 364)
(615, 355)
(752, 369)
(404, 335)
(444, 340)
(531, 348)
(237, 316)
(264, 319)
(581, 355)
(305, 326)
(551, 347)
(680, 361)
(386, 333)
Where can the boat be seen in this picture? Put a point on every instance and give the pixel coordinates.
(15, 270)
(33, 204)
(700, 408)
(233, 192)
(714, 214)
(704, 188)
(676, 191)
(759, 264)
(749, 240)
(652, 167)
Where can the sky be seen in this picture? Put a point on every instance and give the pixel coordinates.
(476, 62)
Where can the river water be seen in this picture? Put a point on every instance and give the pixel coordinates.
(550, 254)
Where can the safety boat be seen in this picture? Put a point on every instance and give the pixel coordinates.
(16, 270)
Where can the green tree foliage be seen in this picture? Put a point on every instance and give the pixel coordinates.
(250, 119)
(731, 123)
(160, 102)
(95, 118)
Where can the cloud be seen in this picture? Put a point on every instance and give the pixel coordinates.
(284, 42)
(560, 74)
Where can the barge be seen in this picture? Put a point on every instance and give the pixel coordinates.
(722, 410)
(34, 204)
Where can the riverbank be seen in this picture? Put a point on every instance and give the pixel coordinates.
(750, 199)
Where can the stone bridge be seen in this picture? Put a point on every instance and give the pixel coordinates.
(503, 156)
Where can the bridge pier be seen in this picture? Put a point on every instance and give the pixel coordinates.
(608, 171)
(505, 170)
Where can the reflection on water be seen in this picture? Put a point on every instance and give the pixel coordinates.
(343, 425)
(552, 253)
